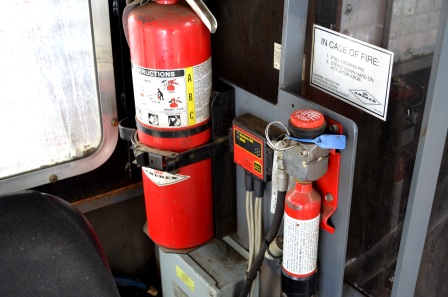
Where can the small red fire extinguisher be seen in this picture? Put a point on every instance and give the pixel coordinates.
(302, 214)
(171, 71)
(300, 240)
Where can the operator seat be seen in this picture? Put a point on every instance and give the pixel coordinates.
(47, 248)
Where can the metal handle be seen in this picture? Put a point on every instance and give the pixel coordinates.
(204, 14)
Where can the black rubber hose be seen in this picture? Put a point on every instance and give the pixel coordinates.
(275, 225)
(248, 181)
(259, 185)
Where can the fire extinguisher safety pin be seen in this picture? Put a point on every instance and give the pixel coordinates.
(273, 145)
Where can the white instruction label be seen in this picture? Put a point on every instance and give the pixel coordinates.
(277, 55)
(300, 240)
(162, 178)
(172, 97)
(351, 70)
(274, 184)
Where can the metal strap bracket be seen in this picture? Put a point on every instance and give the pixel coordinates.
(168, 161)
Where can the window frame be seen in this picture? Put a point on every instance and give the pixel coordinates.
(100, 21)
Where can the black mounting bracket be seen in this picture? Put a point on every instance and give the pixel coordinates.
(222, 113)
(168, 161)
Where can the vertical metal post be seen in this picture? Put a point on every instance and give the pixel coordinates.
(293, 43)
(426, 169)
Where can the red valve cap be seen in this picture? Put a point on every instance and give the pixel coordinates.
(307, 119)
(306, 123)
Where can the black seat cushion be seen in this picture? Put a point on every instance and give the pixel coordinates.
(47, 248)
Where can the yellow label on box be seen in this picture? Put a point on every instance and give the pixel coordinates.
(185, 278)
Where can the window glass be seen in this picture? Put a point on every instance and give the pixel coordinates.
(413, 28)
(50, 110)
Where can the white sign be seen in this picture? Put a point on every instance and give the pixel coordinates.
(352, 70)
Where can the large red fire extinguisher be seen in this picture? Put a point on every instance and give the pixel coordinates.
(302, 217)
(171, 70)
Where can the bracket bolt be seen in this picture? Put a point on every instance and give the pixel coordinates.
(329, 197)
(334, 128)
(114, 122)
(53, 178)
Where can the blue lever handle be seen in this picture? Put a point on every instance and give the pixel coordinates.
(326, 141)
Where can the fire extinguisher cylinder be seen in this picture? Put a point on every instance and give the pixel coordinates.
(300, 242)
(171, 70)
(302, 210)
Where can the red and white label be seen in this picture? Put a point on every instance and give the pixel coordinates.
(300, 242)
(162, 178)
(172, 98)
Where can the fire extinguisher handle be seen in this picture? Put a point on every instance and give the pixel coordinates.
(204, 14)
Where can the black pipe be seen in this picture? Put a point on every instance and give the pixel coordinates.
(259, 185)
(248, 181)
(275, 225)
